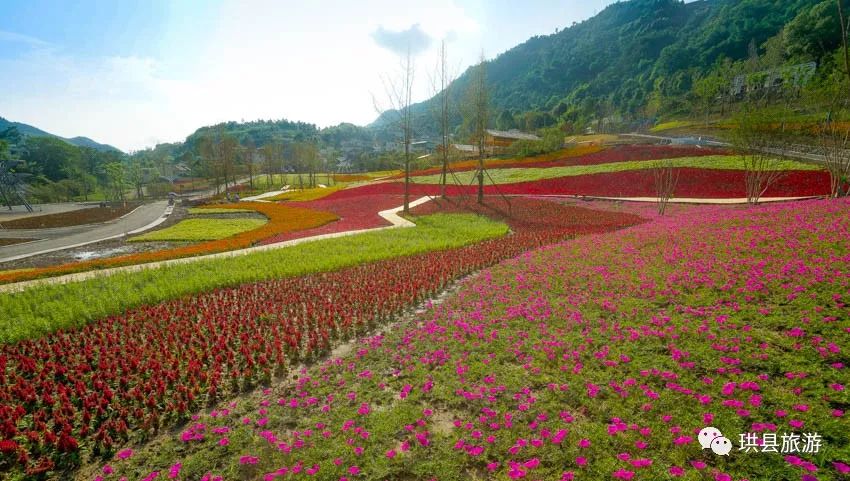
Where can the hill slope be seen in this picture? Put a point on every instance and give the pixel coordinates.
(30, 131)
(615, 61)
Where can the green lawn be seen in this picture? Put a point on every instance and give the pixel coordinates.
(513, 175)
(192, 230)
(43, 309)
(214, 210)
(673, 124)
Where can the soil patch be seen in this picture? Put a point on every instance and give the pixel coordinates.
(89, 215)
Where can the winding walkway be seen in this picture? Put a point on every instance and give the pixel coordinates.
(143, 218)
(390, 215)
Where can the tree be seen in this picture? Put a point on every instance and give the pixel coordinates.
(665, 178)
(759, 147)
(116, 181)
(843, 21)
(228, 149)
(210, 160)
(707, 88)
(135, 175)
(399, 94)
(476, 116)
(249, 151)
(506, 120)
(814, 33)
(835, 145)
(50, 157)
(305, 158)
(272, 154)
(441, 84)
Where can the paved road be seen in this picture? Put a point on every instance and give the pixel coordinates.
(68, 237)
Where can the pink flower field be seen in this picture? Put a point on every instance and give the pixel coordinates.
(599, 358)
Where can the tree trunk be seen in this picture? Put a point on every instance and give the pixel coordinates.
(407, 175)
(844, 39)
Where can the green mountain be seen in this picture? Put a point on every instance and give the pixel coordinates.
(260, 132)
(616, 61)
(30, 131)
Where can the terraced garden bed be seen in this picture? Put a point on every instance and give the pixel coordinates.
(599, 358)
(85, 215)
(281, 219)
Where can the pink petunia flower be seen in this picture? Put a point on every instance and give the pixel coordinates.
(623, 474)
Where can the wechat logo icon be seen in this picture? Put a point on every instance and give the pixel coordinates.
(712, 438)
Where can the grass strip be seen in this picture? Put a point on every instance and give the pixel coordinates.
(515, 175)
(192, 230)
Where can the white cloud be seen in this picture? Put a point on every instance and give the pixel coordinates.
(413, 40)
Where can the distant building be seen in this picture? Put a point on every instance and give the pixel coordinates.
(500, 139)
(465, 150)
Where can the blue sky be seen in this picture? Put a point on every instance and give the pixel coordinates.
(136, 73)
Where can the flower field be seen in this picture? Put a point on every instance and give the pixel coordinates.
(599, 358)
(694, 183)
(558, 158)
(531, 174)
(307, 194)
(621, 153)
(354, 214)
(83, 393)
(42, 309)
(281, 219)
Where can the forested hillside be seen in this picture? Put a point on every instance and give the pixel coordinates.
(640, 58)
(30, 131)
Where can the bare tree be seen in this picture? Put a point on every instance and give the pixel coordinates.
(228, 148)
(835, 146)
(211, 158)
(759, 148)
(249, 150)
(272, 154)
(476, 113)
(843, 20)
(665, 177)
(440, 84)
(399, 93)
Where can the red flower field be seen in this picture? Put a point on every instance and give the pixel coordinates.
(624, 153)
(128, 377)
(354, 214)
(694, 183)
(583, 155)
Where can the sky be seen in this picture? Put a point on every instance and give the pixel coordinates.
(137, 73)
